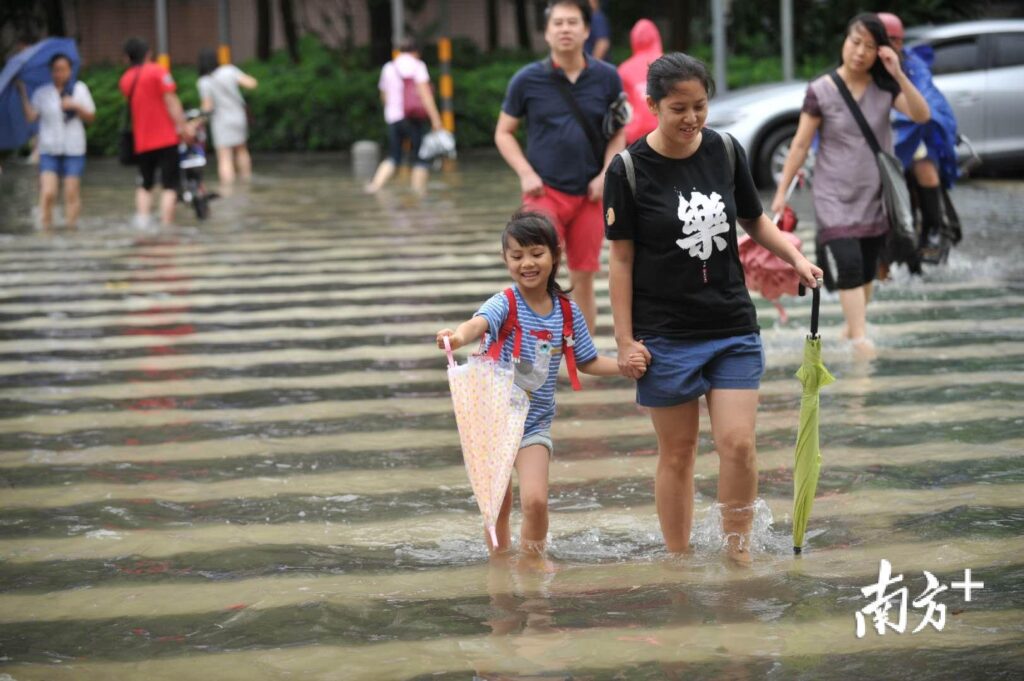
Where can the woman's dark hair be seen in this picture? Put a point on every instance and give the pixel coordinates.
(873, 25)
(582, 5)
(408, 44)
(529, 228)
(207, 61)
(676, 67)
(136, 49)
(55, 58)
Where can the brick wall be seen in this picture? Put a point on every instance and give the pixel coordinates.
(102, 26)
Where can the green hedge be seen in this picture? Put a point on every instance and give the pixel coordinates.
(330, 100)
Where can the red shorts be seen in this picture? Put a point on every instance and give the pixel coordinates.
(580, 225)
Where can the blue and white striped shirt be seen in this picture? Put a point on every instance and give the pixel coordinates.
(542, 400)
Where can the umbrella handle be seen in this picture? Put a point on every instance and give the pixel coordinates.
(815, 304)
(448, 349)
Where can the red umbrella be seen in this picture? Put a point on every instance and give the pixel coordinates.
(765, 272)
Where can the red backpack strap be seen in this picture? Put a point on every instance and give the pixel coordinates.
(568, 341)
(509, 326)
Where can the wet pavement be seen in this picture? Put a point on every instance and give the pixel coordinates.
(227, 452)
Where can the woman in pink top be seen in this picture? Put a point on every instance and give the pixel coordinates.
(646, 43)
(408, 105)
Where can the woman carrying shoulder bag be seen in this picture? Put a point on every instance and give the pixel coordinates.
(848, 208)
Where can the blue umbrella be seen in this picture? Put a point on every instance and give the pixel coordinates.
(32, 67)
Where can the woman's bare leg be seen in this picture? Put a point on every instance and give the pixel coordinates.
(677, 429)
(733, 416)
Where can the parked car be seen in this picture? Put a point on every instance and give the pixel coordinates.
(979, 66)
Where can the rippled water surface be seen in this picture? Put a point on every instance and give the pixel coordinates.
(227, 452)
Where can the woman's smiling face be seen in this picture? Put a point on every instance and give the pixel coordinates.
(682, 112)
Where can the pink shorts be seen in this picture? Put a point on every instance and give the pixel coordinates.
(580, 226)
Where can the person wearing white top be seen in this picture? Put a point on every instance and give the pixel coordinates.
(403, 122)
(62, 110)
(222, 99)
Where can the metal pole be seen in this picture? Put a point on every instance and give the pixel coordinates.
(786, 20)
(224, 27)
(718, 42)
(444, 55)
(163, 54)
(397, 25)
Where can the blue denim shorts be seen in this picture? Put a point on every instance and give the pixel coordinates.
(539, 438)
(63, 166)
(683, 370)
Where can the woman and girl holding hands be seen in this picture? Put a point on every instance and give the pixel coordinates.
(685, 325)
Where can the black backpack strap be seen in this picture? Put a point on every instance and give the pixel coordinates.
(562, 85)
(627, 161)
(858, 115)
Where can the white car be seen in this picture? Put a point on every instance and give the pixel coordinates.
(979, 67)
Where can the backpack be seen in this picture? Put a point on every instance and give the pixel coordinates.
(511, 327)
(627, 161)
(412, 103)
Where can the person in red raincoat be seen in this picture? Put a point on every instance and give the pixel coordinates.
(646, 43)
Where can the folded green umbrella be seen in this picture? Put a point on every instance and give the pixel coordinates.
(807, 464)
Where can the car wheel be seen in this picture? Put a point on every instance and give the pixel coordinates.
(772, 155)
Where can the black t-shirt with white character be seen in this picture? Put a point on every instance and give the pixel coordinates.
(687, 278)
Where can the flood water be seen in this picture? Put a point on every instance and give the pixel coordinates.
(227, 451)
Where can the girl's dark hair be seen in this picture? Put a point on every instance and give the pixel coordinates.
(408, 44)
(873, 25)
(207, 62)
(676, 67)
(529, 228)
(55, 58)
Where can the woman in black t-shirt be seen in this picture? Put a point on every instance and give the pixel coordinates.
(678, 292)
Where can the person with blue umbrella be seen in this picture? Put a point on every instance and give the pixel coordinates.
(62, 108)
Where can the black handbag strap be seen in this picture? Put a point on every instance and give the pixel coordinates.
(126, 119)
(596, 146)
(858, 115)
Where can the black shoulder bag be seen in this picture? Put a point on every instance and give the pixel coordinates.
(597, 146)
(901, 241)
(126, 141)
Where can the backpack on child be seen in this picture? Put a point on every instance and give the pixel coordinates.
(511, 327)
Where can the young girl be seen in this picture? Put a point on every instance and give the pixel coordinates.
(530, 249)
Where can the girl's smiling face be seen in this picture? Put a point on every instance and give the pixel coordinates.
(530, 266)
(682, 112)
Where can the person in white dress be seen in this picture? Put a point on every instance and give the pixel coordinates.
(221, 97)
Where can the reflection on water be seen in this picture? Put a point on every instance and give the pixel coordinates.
(227, 451)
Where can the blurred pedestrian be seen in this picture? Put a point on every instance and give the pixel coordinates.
(852, 224)
(646, 43)
(684, 300)
(62, 109)
(565, 99)
(928, 149)
(221, 98)
(599, 41)
(158, 123)
(408, 107)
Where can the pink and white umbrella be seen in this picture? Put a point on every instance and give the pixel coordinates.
(490, 411)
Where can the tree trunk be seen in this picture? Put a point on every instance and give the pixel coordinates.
(291, 35)
(522, 25)
(380, 30)
(264, 29)
(680, 15)
(492, 25)
(55, 18)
